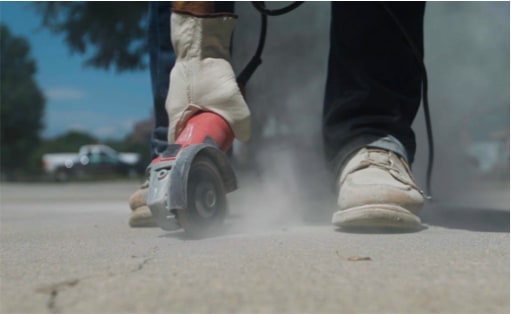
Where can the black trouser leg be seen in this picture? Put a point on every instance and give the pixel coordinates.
(374, 80)
(162, 58)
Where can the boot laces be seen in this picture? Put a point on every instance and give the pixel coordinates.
(389, 165)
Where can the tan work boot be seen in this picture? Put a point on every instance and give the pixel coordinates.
(140, 213)
(377, 190)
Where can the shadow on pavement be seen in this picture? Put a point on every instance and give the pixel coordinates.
(473, 219)
(180, 234)
(376, 230)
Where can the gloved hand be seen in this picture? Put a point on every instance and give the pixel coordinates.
(202, 78)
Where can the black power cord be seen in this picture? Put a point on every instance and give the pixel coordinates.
(425, 99)
(259, 5)
(256, 60)
(247, 72)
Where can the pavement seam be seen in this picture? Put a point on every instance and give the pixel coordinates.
(54, 289)
(142, 264)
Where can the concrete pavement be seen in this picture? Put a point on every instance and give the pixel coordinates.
(68, 249)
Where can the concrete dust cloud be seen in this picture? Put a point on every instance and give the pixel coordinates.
(288, 184)
(467, 56)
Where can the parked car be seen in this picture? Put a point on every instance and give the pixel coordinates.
(92, 161)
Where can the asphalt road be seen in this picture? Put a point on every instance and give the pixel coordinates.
(68, 249)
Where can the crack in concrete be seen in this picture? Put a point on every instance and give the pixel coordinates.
(53, 290)
(142, 264)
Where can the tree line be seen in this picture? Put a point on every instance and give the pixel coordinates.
(110, 34)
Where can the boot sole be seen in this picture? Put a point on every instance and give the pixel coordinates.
(377, 216)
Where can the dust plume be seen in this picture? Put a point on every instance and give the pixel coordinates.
(283, 178)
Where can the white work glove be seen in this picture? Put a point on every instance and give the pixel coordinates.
(202, 78)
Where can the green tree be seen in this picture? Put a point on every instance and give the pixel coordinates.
(115, 31)
(71, 141)
(21, 103)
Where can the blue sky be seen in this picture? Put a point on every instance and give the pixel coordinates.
(102, 103)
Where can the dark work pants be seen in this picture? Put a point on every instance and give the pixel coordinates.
(161, 61)
(374, 80)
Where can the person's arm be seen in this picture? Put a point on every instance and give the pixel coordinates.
(194, 7)
(202, 79)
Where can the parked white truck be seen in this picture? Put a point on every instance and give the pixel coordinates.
(91, 160)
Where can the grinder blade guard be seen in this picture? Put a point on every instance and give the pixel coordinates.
(188, 186)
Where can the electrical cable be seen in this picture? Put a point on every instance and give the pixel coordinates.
(259, 5)
(256, 61)
(425, 99)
